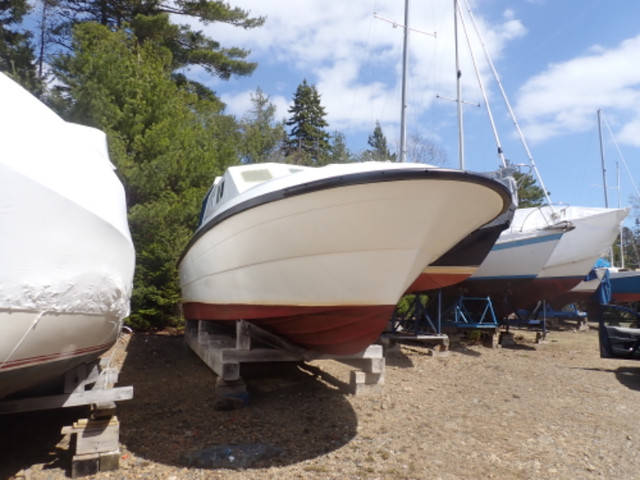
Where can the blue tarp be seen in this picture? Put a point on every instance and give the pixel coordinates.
(602, 295)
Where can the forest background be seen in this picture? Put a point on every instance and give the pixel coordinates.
(119, 66)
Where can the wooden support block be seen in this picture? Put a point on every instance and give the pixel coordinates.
(95, 436)
(243, 336)
(84, 465)
(109, 461)
(103, 410)
(491, 338)
(365, 383)
(224, 354)
(369, 365)
(210, 349)
(507, 339)
(92, 463)
(97, 445)
(439, 352)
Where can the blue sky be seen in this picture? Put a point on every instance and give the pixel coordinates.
(559, 62)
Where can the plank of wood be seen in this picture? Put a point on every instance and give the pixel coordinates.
(89, 397)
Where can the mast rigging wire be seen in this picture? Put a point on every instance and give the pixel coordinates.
(508, 104)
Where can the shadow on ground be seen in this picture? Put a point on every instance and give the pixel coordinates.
(629, 377)
(292, 409)
(30, 438)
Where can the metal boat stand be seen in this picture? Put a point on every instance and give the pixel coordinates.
(534, 320)
(417, 324)
(97, 445)
(224, 353)
(474, 314)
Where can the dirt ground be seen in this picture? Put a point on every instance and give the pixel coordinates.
(553, 410)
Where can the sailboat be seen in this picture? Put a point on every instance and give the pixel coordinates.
(594, 230)
(545, 252)
(66, 252)
(624, 283)
(464, 258)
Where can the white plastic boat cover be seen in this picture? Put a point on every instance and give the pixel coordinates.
(65, 244)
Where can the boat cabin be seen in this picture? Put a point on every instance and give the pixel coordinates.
(240, 178)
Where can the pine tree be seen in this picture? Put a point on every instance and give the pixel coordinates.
(308, 142)
(529, 192)
(167, 145)
(155, 20)
(379, 150)
(17, 58)
(261, 135)
(339, 151)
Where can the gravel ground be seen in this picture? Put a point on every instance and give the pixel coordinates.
(554, 410)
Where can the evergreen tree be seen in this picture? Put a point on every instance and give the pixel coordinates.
(530, 194)
(339, 151)
(167, 144)
(379, 150)
(308, 142)
(261, 135)
(17, 58)
(154, 20)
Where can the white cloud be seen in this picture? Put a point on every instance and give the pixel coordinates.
(564, 98)
(630, 132)
(355, 58)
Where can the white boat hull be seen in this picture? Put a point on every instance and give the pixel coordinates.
(595, 229)
(66, 253)
(592, 231)
(38, 347)
(309, 263)
(510, 269)
(518, 255)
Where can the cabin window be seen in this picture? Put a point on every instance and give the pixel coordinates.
(220, 191)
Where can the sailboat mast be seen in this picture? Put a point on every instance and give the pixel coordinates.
(458, 88)
(621, 225)
(604, 167)
(403, 112)
(604, 183)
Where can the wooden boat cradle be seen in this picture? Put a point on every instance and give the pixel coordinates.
(97, 445)
(224, 354)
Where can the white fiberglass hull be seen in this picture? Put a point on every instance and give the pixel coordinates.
(518, 255)
(508, 273)
(329, 256)
(595, 229)
(38, 347)
(66, 253)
